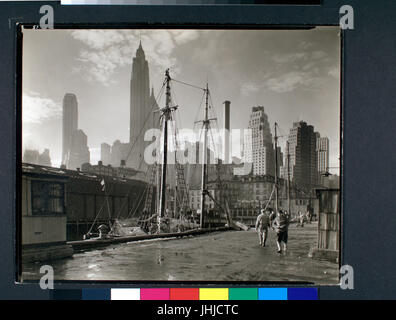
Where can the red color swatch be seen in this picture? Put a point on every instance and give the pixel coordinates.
(184, 294)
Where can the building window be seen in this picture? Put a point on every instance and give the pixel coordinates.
(48, 198)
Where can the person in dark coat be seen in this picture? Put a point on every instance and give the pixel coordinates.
(281, 224)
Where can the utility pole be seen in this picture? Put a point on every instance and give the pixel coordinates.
(276, 170)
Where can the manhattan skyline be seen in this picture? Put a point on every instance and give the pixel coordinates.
(293, 74)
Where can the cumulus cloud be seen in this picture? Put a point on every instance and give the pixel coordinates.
(299, 70)
(98, 39)
(288, 57)
(36, 109)
(293, 80)
(106, 50)
(248, 88)
(286, 82)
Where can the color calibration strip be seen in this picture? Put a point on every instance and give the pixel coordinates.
(191, 2)
(188, 294)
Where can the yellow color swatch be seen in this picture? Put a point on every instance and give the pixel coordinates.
(213, 294)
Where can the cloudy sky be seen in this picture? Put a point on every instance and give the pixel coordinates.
(293, 74)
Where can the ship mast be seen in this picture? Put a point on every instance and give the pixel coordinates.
(175, 189)
(165, 115)
(206, 127)
(206, 123)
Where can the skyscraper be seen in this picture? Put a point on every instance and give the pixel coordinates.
(35, 157)
(70, 123)
(303, 156)
(79, 151)
(259, 147)
(44, 158)
(322, 149)
(119, 152)
(142, 105)
(105, 153)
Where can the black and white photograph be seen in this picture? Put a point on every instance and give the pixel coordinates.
(181, 155)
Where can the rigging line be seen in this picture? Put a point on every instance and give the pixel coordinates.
(270, 198)
(176, 146)
(97, 215)
(172, 125)
(199, 109)
(213, 109)
(107, 200)
(145, 121)
(148, 117)
(123, 204)
(211, 104)
(177, 121)
(182, 192)
(185, 191)
(219, 145)
(141, 196)
(177, 135)
(138, 204)
(281, 132)
(127, 194)
(173, 118)
(188, 84)
(173, 96)
(214, 145)
(199, 138)
(134, 209)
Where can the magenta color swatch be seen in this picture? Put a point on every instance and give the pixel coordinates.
(154, 294)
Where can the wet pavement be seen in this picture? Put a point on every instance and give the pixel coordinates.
(220, 256)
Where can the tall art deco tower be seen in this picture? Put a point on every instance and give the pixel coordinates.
(259, 147)
(142, 106)
(70, 123)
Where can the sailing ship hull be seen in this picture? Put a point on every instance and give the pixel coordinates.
(84, 245)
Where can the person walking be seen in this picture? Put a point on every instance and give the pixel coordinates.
(309, 214)
(262, 224)
(300, 221)
(281, 227)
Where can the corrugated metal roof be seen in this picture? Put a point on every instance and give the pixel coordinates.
(34, 169)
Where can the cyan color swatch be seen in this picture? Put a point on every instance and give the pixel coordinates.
(272, 294)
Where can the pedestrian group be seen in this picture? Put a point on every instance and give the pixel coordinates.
(277, 221)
